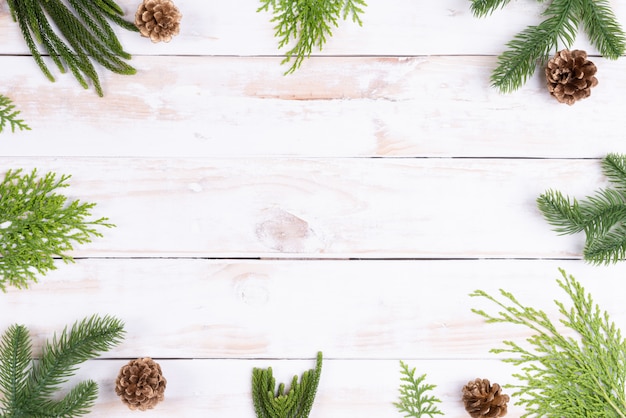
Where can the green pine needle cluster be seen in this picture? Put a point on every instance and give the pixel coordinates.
(536, 44)
(37, 224)
(602, 217)
(297, 402)
(79, 32)
(28, 388)
(309, 23)
(565, 376)
(8, 114)
(414, 398)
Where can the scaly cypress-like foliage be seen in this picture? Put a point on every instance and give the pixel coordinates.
(37, 225)
(8, 114)
(297, 402)
(535, 44)
(84, 34)
(602, 217)
(309, 23)
(28, 387)
(414, 399)
(564, 376)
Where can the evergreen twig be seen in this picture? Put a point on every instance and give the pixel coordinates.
(563, 376)
(84, 34)
(309, 23)
(37, 225)
(8, 114)
(297, 402)
(27, 388)
(414, 400)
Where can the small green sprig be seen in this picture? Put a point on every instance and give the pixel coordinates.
(28, 388)
(37, 225)
(297, 402)
(534, 45)
(564, 376)
(309, 23)
(83, 33)
(8, 114)
(602, 217)
(414, 398)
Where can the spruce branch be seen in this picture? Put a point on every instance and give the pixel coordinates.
(28, 387)
(601, 216)
(309, 23)
(38, 224)
(83, 34)
(8, 114)
(270, 402)
(414, 400)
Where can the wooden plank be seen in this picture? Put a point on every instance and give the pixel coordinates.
(176, 308)
(383, 107)
(390, 27)
(348, 388)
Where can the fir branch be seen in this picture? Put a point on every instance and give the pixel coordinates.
(601, 216)
(309, 23)
(563, 376)
(28, 387)
(8, 114)
(602, 28)
(37, 224)
(84, 34)
(483, 8)
(413, 398)
(297, 402)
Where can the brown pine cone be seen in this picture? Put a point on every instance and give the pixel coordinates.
(570, 76)
(140, 384)
(483, 400)
(158, 20)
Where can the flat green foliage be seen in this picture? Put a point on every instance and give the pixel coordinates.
(602, 217)
(270, 402)
(536, 44)
(37, 224)
(8, 114)
(309, 23)
(414, 398)
(564, 376)
(83, 33)
(28, 388)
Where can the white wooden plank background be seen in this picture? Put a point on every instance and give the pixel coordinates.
(350, 207)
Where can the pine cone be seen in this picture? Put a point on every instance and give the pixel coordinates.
(158, 20)
(140, 384)
(482, 400)
(570, 76)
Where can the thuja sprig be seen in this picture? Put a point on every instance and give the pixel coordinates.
(534, 45)
(564, 376)
(297, 402)
(84, 34)
(602, 217)
(37, 224)
(8, 114)
(414, 398)
(28, 388)
(308, 23)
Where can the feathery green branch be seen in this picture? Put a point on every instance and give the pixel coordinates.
(414, 400)
(8, 114)
(564, 376)
(297, 402)
(84, 34)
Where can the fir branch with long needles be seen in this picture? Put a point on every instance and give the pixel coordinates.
(28, 388)
(564, 376)
(84, 34)
(37, 225)
(9, 115)
(270, 402)
(414, 398)
(602, 216)
(309, 23)
(534, 45)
